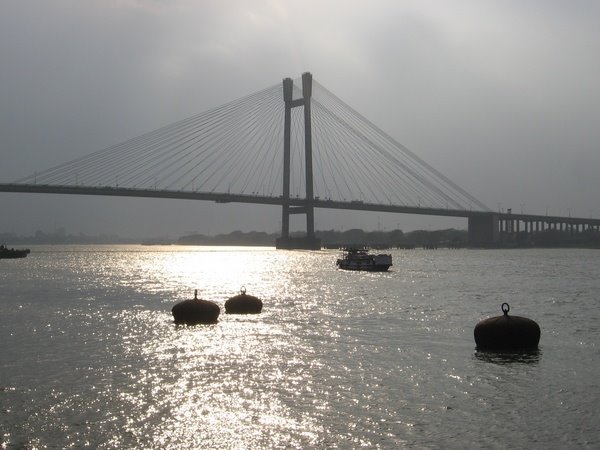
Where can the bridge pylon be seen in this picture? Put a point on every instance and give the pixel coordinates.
(310, 241)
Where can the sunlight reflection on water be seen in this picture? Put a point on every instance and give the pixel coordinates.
(221, 385)
(91, 356)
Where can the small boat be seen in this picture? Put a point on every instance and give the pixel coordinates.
(360, 259)
(6, 252)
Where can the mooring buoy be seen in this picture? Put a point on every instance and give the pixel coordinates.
(195, 311)
(507, 332)
(243, 304)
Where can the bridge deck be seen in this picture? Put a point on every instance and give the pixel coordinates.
(270, 200)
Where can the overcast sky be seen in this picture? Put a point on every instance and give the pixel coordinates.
(503, 97)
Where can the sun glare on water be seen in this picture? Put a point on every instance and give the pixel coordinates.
(226, 385)
(217, 273)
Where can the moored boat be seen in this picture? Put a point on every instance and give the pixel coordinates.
(7, 253)
(361, 259)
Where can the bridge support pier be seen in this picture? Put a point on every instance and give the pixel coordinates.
(310, 241)
(484, 229)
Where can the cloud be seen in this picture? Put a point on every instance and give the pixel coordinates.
(502, 97)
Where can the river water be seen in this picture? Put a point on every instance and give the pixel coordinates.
(90, 356)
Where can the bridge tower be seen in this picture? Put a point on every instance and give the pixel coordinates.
(310, 241)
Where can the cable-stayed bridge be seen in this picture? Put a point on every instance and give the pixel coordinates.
(300, 149)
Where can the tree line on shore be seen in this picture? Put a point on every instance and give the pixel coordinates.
(397, 238)
(394, 238)
(329, 238)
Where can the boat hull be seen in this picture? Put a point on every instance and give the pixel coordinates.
(12, 254)
(364, 267)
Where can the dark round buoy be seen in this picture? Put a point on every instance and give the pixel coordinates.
(243, 304)
(507, 332)
(195, 311)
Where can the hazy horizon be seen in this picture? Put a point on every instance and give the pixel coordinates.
(66, 231)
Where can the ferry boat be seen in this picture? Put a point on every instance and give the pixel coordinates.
(361, 259)
(6, 252)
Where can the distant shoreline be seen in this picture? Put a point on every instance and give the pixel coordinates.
(429, 239)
